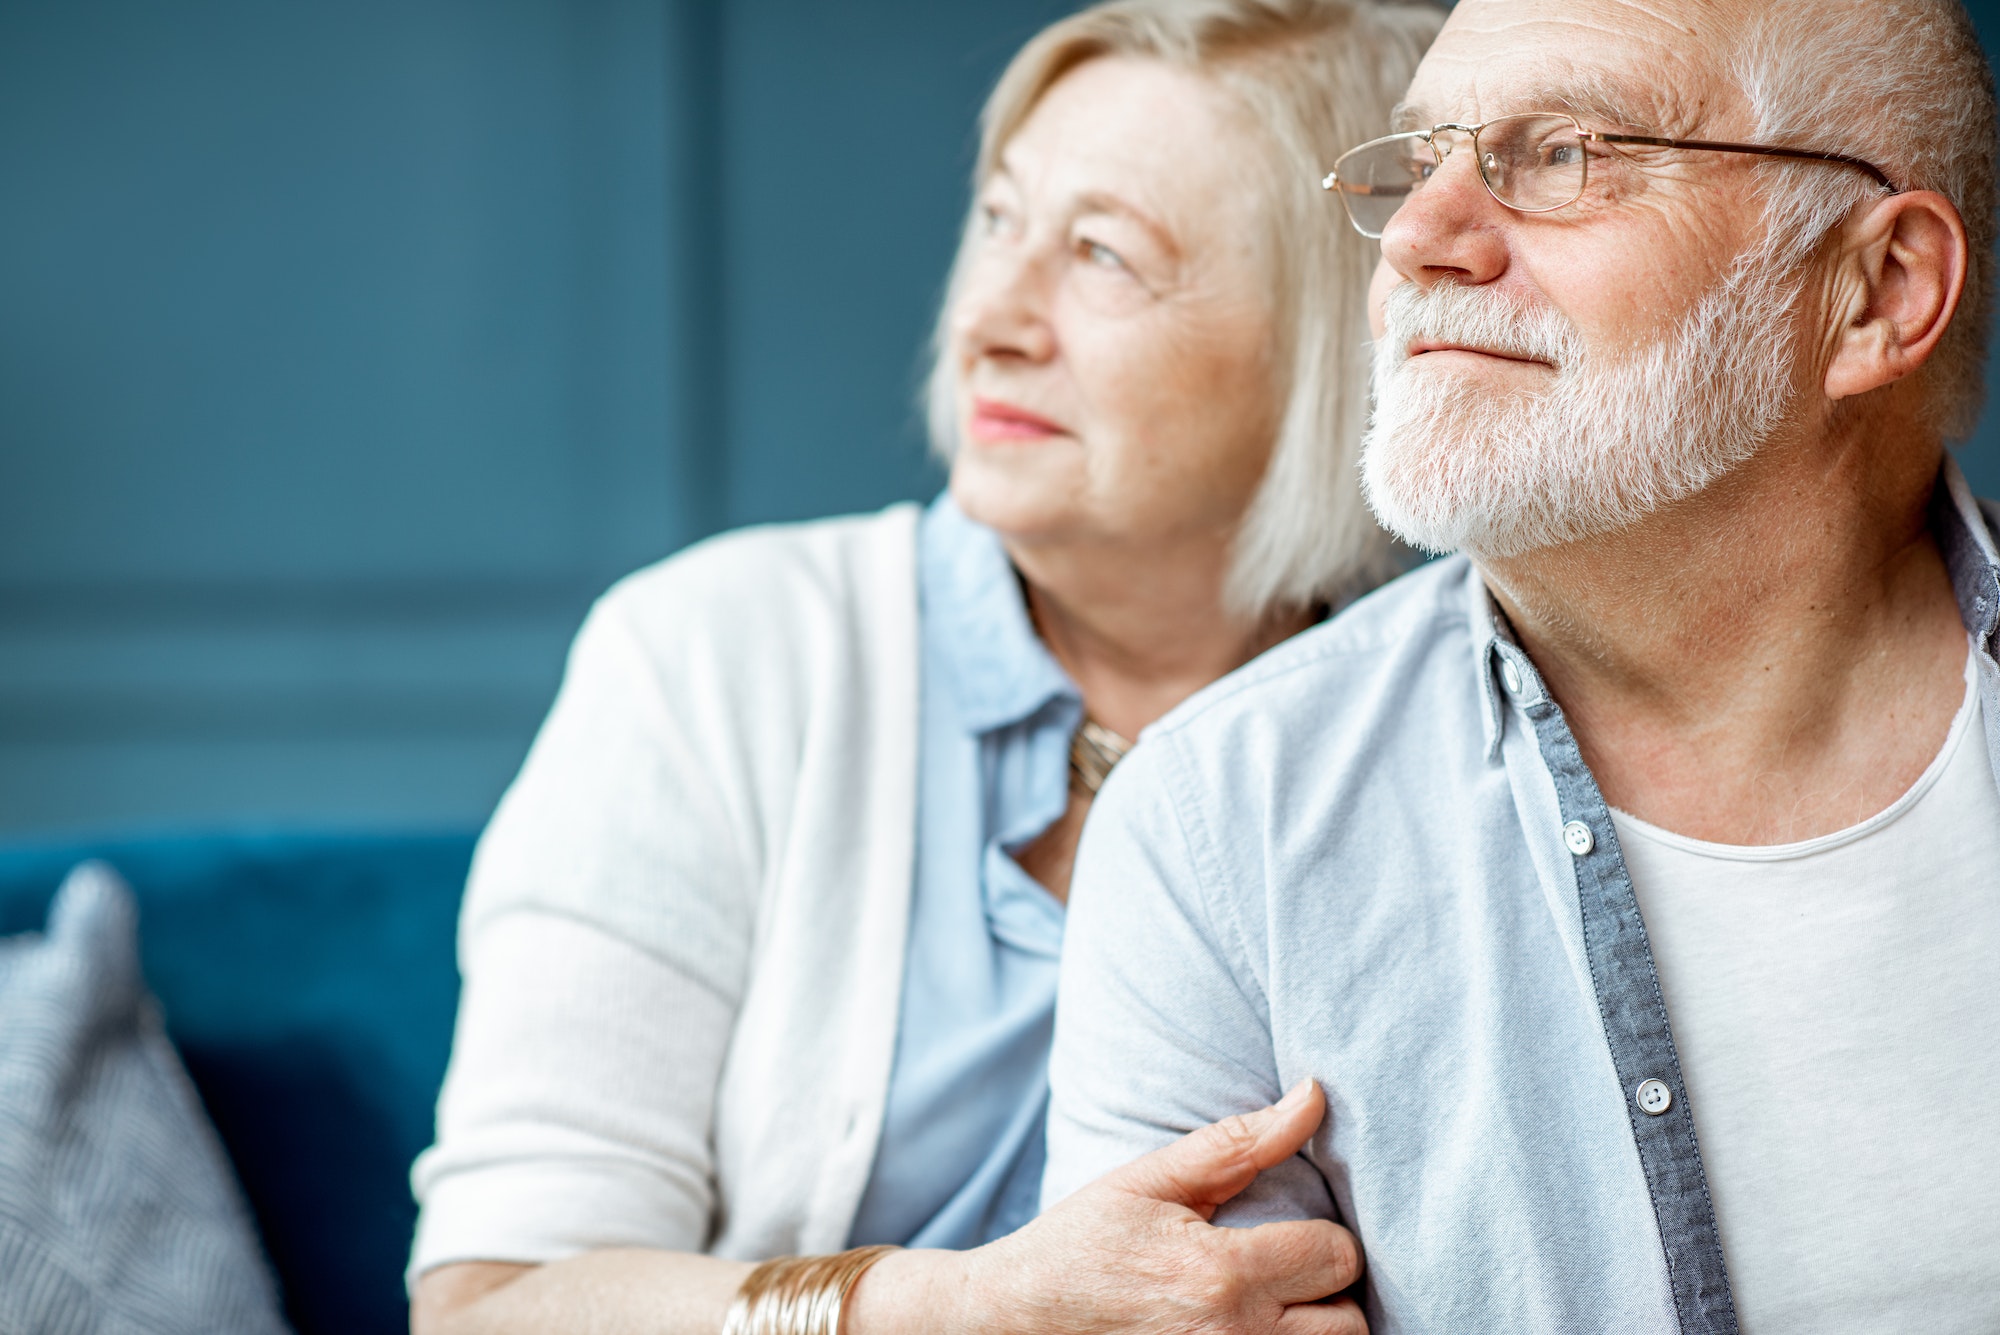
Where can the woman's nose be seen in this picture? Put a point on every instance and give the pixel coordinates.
(1002, 310)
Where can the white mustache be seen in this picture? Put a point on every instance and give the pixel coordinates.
(1476, 318)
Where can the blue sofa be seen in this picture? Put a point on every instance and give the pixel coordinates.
(309, 983)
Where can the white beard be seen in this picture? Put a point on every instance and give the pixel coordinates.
(1448, 465)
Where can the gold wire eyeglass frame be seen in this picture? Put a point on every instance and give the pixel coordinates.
(1347, 189)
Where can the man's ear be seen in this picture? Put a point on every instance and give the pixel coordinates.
(1904, 263)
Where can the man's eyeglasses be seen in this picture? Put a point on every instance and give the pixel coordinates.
(1534, 163)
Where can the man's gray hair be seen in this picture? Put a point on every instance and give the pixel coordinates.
(1317, 77)
(1902, 84)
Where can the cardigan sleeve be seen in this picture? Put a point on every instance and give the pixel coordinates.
(604, 945)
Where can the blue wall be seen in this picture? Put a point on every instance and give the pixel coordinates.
(347, 349)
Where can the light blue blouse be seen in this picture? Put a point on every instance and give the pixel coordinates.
(960, 1161)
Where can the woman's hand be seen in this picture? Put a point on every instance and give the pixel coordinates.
(1134, 1251)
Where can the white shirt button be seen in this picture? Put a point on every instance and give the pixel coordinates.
(1653, 1097)
(1510, 676)
(1578, 837)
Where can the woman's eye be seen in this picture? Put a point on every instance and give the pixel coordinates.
(998, 220)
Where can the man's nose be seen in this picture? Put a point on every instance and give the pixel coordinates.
(1452, 228)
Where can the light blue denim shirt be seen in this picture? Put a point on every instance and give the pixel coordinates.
(961, 1155)
(1376, 858)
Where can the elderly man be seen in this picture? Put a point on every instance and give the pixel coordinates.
(1630, 882)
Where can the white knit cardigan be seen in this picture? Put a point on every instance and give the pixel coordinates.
(682, 942)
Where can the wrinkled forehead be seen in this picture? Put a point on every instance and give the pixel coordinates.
(1661, 65)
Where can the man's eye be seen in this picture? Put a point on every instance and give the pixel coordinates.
(1100, 255)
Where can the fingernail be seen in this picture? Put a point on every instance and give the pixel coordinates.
(1296, 1094)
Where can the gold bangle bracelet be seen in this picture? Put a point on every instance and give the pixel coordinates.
(798, 1295)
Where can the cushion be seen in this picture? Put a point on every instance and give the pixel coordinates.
(118, 1212)
(308, 985)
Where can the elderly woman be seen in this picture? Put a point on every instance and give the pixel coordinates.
(760, 949)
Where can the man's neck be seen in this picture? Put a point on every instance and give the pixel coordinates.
(1772, 660)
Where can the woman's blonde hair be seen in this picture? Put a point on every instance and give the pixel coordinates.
(1316, 77)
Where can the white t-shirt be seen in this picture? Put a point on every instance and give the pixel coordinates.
(1835, 1008)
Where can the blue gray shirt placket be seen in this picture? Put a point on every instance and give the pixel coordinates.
(1634, 1013)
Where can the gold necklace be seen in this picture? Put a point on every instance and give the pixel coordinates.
(1094, 752)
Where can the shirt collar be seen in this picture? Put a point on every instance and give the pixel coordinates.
(976, 624)
(1964, 532)
(1494, 649)
(1965, 535)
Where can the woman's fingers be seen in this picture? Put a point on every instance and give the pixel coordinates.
(1204, 1168)
(1343, 1317)
(1124, 1253)
(1297, 1261)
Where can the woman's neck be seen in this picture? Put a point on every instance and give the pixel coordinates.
(1140, 632)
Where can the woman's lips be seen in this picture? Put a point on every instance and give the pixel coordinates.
(993, 420)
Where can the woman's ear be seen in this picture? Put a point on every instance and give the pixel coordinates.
(1904, 262)
(1379, 287)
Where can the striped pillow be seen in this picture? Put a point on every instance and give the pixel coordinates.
(118, 1211)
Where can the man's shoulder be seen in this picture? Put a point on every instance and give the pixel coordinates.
(1281, 790)
(1337, 673)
